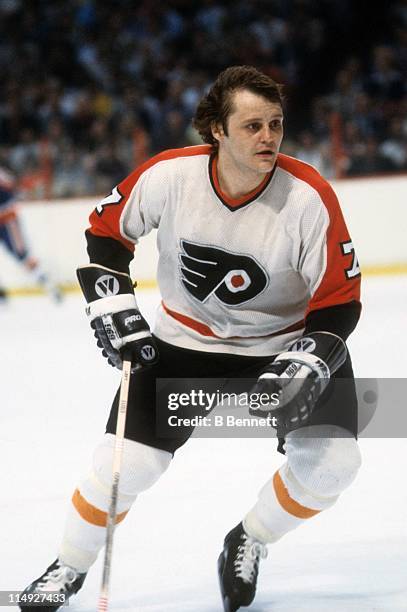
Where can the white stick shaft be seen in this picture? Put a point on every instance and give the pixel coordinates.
(117, 459)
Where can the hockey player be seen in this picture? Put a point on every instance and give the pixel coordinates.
(258, 279)
(12, 237)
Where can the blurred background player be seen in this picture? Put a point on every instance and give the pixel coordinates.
(13, 240)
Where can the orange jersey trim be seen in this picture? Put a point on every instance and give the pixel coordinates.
(288, 503)
(107, 224)
(205, 330)
(90, 513)
(235, 202)
(334, 287)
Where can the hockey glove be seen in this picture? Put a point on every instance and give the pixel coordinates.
(115, 317)
(298, 377)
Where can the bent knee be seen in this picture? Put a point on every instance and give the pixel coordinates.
(141, 465)
(325, 466)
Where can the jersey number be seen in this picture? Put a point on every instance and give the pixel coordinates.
(112, 199)
(354, 270)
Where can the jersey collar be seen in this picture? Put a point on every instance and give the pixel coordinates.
(235, 203)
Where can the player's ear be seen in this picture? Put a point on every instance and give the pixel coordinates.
(217, 131)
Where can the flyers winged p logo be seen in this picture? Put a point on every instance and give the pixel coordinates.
(233, 278)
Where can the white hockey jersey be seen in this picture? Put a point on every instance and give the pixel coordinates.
(236, 276)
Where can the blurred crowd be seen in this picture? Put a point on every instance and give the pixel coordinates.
(91, 88)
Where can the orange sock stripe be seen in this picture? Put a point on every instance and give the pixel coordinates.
(289, 504)
(90, 513)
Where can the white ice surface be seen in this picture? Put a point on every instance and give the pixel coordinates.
(55, 394)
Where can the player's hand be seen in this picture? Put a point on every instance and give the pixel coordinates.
(115, 318)
(293, 389)
(297, 378)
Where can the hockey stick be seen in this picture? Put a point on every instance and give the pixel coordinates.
(117, 458)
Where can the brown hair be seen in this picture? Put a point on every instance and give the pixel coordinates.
(216, 105)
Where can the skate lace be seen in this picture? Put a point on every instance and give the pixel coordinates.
(247, 559)
(57, 580)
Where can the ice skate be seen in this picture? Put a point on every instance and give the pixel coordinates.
(238, 567)
(53, 588)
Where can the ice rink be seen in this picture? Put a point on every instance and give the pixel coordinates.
(56, 394)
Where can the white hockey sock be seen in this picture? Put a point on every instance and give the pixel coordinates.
(85, 529)
(317, 470)
(283, 505)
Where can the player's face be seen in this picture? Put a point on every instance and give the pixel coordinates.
(255, 132)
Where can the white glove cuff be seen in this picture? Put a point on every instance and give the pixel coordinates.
(110, 305)
(316, 364)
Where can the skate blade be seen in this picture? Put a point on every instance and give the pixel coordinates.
(228, 606)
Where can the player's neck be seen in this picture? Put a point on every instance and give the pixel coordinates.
(236, 182)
